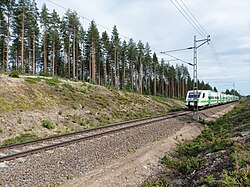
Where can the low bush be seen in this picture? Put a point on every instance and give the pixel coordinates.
(48, 124)
(14, 74)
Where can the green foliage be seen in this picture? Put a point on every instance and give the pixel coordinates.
(216, 145)
(75, 106)
(14, 74)
(24, 137)
(83, 90)
(161, 182)
(70, 87)
(69, 177)
(48, 124)
(208, 181)
(184, 164)
(1, 130)
(52, 82)
(32, 80)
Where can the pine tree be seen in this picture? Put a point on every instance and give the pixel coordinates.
(140, 47)
(115, 42)
(148, 69)
(124, 62)
(44, 19)
(91, 46)
(155, 61)
(105, 43)
(132, 55)
(54, 31)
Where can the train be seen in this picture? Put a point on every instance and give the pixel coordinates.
(207, 98)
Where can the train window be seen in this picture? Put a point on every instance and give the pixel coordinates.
(191, 95)
(203, 96)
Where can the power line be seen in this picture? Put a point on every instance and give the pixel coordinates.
(186, 18)
(189, 63)
(204, 34)
(199, 27)
(194, 18)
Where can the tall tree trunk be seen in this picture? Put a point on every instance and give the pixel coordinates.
(29, 46)
(140, 74)
(53, 58)
(123, 74)
(154, 79)
(34, 56)
(69, 57)
(44, 54)
(131, 73)
(148, 81)
(173, 88)
(93, 61)
(105, 70)
(99, 68)
(115, 64)
(17, 57)
(166, 88)
(7, 47)
(74, 55)
(3, 57)
(162, 87)
(22, 48)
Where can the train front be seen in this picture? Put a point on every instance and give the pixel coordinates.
(192, 99)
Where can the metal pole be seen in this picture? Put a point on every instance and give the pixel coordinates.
(195, 85)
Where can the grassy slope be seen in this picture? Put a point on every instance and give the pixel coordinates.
(68, 106)
(218, 157)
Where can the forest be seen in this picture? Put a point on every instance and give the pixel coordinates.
(35, 42)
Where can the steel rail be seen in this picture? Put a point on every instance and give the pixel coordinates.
(64, 143)
(50, 138)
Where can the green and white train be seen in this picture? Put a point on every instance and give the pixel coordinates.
(207, 98)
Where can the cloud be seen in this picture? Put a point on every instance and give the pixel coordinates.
(159, 23)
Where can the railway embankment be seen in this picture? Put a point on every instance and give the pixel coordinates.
(35, 107)
(220, 156)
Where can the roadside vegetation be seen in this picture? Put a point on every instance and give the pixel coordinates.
(218, 157)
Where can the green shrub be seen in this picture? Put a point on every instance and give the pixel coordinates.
(75, 106)
(1, 130)
(32, 80)
(14, 74)
(208, 181)
(70, 87)
(52, 82)
(48, 124)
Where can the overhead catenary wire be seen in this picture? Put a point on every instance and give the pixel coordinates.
(204, 31)
(201, 31)
(176, 58)
(195, 23)
(183, 14)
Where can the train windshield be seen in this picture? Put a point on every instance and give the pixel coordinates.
(192, 95)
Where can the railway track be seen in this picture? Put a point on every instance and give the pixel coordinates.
(14, 151)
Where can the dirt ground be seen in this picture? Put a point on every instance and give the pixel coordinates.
(145, 162)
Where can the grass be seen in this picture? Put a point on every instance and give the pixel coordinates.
(24, 137)
(52, 82)
(192, 160)
(32, 80)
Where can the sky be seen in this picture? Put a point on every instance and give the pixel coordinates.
(221, 63)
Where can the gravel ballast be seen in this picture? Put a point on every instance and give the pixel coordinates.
(59, 165)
